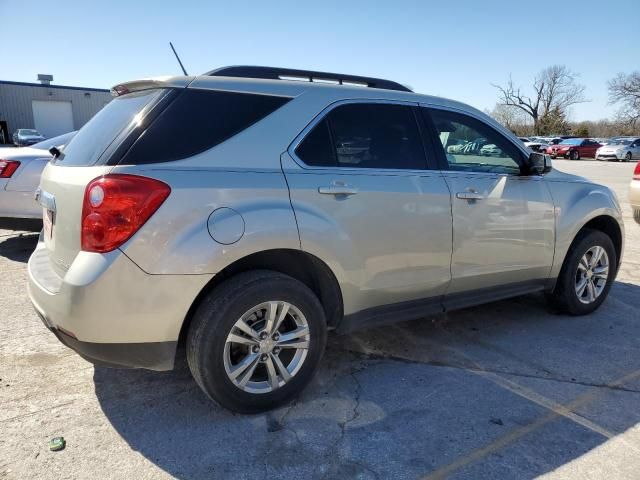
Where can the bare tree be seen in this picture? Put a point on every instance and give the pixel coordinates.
(625, 90)
(512, 118)
(555, 89)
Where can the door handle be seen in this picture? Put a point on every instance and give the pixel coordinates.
(338, 190)
(469, 196)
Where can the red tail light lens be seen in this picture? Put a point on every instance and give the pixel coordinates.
(636, 172)
(8, 168)
(115, 207)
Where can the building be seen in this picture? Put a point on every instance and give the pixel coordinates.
(50, 109)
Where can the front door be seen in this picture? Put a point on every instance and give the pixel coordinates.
(503, 222)
(368, 206)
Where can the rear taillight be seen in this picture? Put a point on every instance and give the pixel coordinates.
(636, 172)
(115, 207)
(8, 168)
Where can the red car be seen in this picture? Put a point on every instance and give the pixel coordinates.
(574, 148)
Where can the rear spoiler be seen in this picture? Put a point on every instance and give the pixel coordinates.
(150, 83)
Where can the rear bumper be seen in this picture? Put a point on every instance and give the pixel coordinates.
(111, 312)
(152, 356)
(18, 204)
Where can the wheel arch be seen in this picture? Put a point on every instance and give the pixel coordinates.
(604, 223)
(610, 226)
(302, 266)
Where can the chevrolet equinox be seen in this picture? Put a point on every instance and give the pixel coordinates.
(248, 211)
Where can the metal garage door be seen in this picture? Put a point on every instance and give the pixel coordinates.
(52, 118)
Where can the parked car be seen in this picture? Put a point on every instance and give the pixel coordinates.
(26, 136)
(634, 193)
(621, 149)
(535, 145)
(248, 234)
(551, 140)
(574, 148)
(20, 170)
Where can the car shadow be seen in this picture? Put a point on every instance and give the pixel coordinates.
(506, 390)
(19, 246)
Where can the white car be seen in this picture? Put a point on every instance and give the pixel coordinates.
(620, 149)
(20, 170)
(534, 144)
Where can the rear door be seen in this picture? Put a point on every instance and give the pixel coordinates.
(503, 222)
(367, 204)
(63, 181)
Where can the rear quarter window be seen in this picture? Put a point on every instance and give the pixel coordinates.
(198, 120)
(89, 144)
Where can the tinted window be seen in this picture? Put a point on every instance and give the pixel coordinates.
(471, 145)
(316, 148)
(365, 136)
(198, 120)
(93, 139)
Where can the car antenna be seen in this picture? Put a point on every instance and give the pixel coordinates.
(178, 58)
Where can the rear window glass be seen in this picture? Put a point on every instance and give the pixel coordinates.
(198, 120)
(94, 138)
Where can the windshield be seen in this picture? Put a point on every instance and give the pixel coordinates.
(28, 132)
(93, 139)
(571, 141)
(58, 141)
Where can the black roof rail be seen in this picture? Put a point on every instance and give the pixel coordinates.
(275, 73)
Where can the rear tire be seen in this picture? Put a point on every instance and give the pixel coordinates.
(627, 157)
(567, 295)
(574, 155)
(217, 349)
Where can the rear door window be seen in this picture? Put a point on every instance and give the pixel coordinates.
(365, 135)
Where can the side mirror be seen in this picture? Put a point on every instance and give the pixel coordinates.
(538, 164)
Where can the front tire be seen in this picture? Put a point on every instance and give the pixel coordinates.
(256, 341)
(587, 274)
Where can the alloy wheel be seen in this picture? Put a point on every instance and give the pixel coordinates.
(266, 347)
(592, 274)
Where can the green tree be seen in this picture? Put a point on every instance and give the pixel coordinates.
(553, 122)
(581, 130)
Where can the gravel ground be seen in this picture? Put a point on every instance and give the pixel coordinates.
(506, 390)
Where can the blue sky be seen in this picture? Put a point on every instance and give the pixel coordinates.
(449, 48)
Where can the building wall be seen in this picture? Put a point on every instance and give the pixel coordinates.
(16, 107)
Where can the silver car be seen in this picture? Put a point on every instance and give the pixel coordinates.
(20, 170)
(620, 149)
(248, 211)
(26, 136)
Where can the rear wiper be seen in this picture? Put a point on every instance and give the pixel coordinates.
(57, 154)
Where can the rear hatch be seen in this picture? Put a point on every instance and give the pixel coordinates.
(92, 153)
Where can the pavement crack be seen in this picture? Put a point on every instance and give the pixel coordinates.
(394, 358)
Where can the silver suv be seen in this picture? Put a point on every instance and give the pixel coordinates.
(247, 211)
